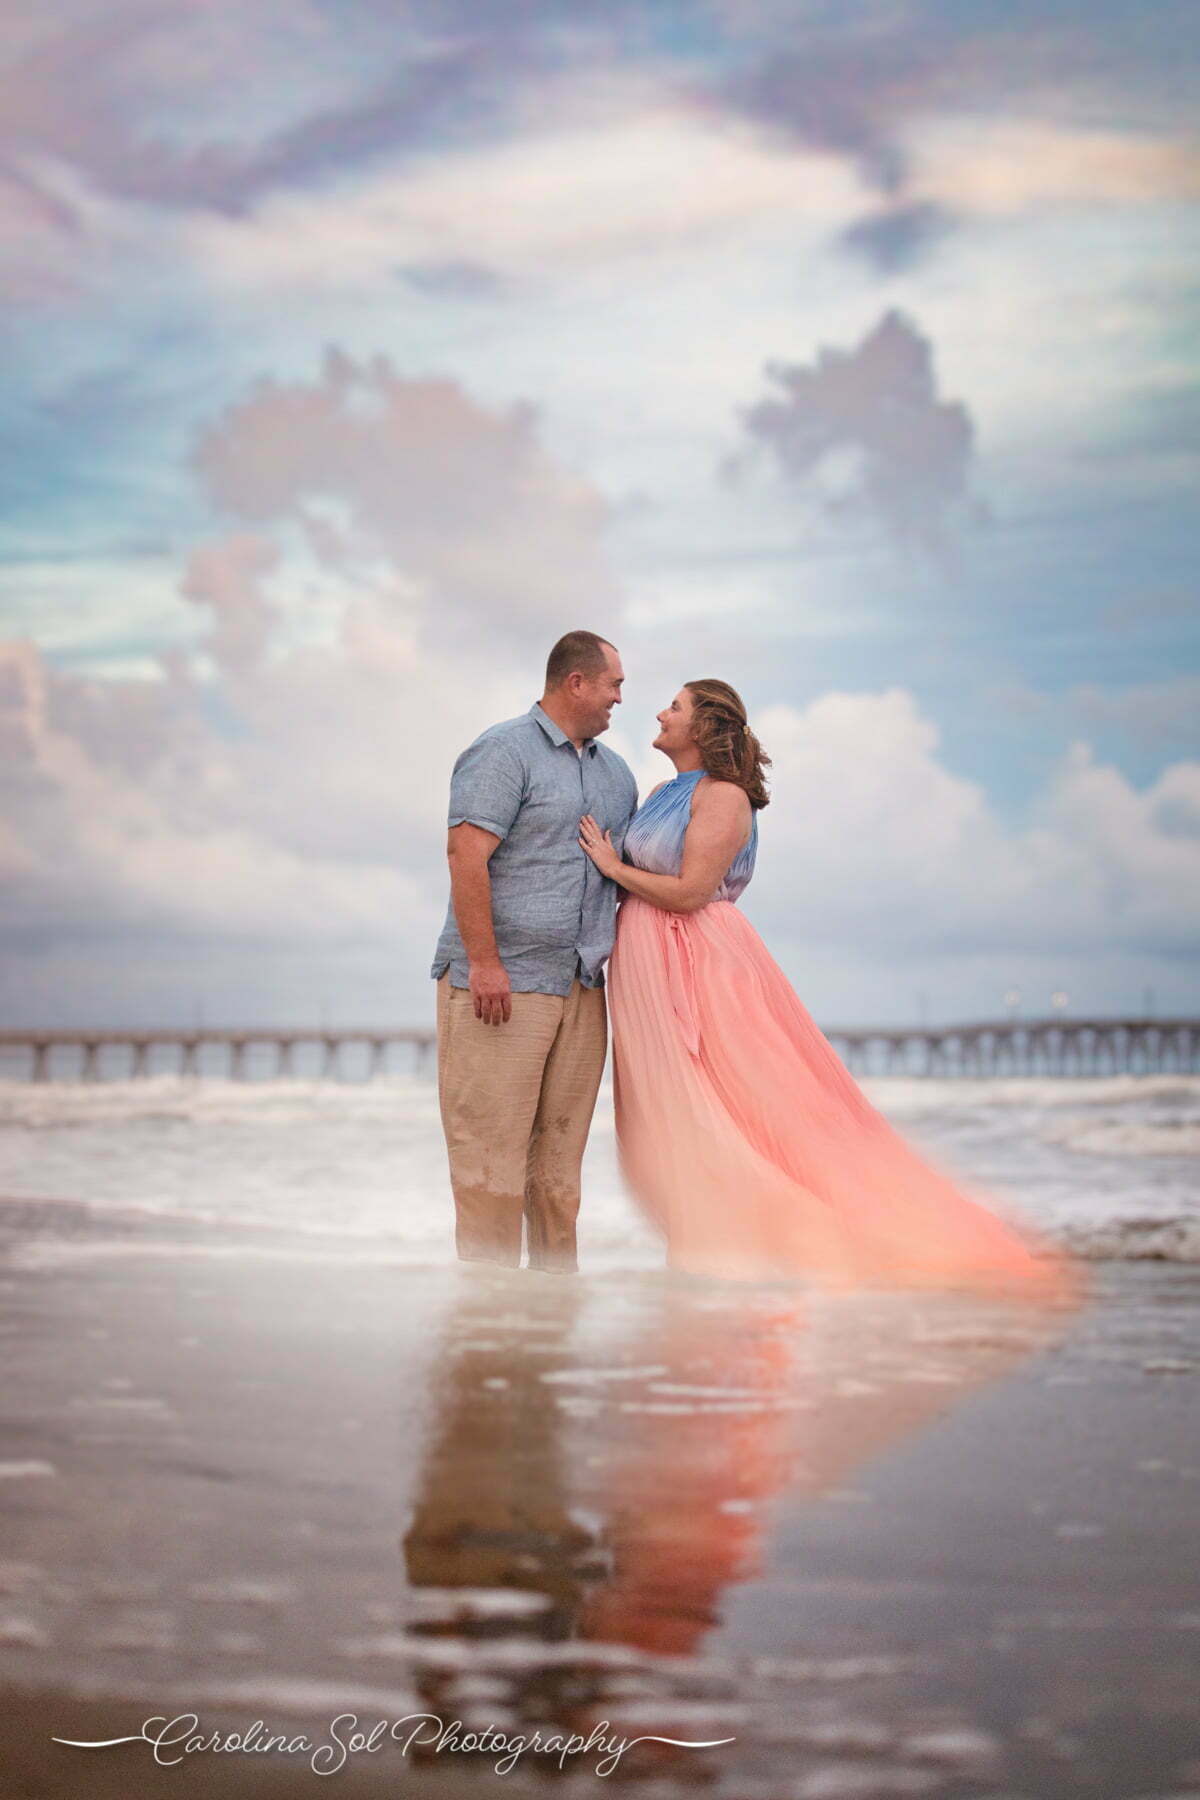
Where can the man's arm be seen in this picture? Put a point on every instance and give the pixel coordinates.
(468, 848)
(486, 791)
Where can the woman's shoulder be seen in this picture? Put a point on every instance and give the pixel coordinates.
(712, 790)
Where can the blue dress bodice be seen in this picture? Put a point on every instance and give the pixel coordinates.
(654, 836)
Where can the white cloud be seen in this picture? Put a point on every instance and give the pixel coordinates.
(871, 843)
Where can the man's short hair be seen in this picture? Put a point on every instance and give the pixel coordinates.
(581, 650)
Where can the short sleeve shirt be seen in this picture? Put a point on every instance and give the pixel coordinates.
(554, 913)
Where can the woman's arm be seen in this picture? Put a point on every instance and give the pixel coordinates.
(719, 827)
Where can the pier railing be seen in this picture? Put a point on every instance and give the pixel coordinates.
(1050, 1046)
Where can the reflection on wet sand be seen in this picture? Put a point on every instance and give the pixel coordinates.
(492, 1550)
(602, 1466)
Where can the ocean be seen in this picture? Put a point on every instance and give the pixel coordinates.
(273, 1457)
(355, 1171)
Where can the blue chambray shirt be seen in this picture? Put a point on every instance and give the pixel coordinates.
(554, 913)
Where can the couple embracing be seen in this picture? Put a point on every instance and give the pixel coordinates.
(740, 1133)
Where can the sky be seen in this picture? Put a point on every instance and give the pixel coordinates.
(355, 351)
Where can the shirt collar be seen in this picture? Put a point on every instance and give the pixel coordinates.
(555, 733)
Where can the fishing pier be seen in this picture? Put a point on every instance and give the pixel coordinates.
(974, 1050)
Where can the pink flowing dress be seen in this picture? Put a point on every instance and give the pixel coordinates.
(743, 1137)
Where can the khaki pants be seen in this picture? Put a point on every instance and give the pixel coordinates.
(517, 1102)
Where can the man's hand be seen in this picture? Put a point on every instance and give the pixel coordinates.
(491, 992)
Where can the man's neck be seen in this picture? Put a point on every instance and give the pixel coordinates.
(563, 724)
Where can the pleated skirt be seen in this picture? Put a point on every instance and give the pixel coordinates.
(745, 1140)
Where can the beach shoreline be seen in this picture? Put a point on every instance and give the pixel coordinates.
(902, 1545)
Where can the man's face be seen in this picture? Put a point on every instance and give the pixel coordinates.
(599, 694)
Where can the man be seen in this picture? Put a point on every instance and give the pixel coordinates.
(521, 1018)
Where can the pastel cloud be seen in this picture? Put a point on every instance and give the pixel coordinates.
(126, 109)
(555, 202)
(579, 188)
(866, 83)
(898, 236)
(139, 95)
(284, 777)
(112, 112)
(866, 428)
(461, 500)
(999, 168)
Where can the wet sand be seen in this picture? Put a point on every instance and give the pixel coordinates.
(884, 1544)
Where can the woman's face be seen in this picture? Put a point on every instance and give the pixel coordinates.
(675, 723)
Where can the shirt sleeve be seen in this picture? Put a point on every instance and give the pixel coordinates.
(487, 786)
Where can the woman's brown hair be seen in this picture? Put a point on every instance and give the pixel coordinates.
(728, 748)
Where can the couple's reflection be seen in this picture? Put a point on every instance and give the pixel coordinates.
(493, 1511)
(603, 1458)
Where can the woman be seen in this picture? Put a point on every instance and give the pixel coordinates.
(740, 1132)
